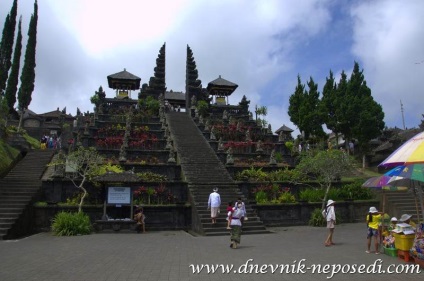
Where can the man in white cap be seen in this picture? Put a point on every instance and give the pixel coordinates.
(214, 204)
(330, 217)
(393, 222)
(406, 218)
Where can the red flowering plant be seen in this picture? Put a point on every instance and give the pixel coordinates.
(230, 132)
(117, 130)
(252, 161)
(239, 146)
(273, 193)
(140, 195)
(109, 142)
(144, 143)
(142, 139)
(153, 195)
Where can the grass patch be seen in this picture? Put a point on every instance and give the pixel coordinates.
(35, 144)
(7, 155)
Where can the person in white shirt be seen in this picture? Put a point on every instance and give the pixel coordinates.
(236, 215)
(331, 221)
(243, 207)
(214, 204)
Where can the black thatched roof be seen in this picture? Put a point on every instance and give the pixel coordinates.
(221, 87)
(55, 114)
(125, 177)
(124, 80)
(284, 128)
(171, 95)
(384, 146)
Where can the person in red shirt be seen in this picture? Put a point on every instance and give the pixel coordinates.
(229, 212)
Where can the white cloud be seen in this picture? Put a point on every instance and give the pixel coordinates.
(388, 39)
(260, 45)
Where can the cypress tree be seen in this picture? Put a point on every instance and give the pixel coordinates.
(6, 45)
(28, 69)
(295, 104)
(12, 82)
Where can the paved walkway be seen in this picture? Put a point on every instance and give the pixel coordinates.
(168, 255)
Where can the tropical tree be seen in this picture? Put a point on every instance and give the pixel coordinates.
(295, 104)
(28, 69)
(6, 45)
(3, 112)
(261, 111)
(150, 105)
(370, 124)
(304, 109)
(327, 166)
(363, 117)
(86, 164)
(329, 105)
(12, 82)
(202, 107)
(311, 115)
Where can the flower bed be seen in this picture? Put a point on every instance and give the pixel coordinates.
(153, 195)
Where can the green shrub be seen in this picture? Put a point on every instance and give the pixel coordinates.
(278, 157)
(261, 197)
(317, 219)
(70, 224)
(286, 197)
(41, 204)
(312, 195)
(252, 174)
(152, 177)
(349, 191)
(74, 200)
(356, 191)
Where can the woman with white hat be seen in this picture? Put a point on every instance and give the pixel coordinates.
(405, 218)
(330, 216)
(373, 222)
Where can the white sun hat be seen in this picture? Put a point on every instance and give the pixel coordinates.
(373, 210)
(405, 217)
(329, 202)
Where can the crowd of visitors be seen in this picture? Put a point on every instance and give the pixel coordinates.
(52, 142)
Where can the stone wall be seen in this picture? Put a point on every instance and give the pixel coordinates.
(166, 217)
(60, 189)
(299, 213)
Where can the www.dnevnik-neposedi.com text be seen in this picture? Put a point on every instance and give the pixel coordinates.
(301, 267)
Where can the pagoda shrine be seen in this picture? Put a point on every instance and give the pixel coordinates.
(220, 89)
(123, 82)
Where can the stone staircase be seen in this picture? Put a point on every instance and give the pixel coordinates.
(400, 202)
(18, 190)
(203, 171)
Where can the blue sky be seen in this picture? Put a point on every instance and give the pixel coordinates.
(260, 45)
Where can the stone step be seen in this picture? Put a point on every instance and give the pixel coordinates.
(13, 204)
(15, 198)
(10, 219)
(10, 214)
(227, 232)
(19, 186)
(223, 222)
(18, 193)
(29, 189)
(6, 225)
(200, 165)
(222, 233)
